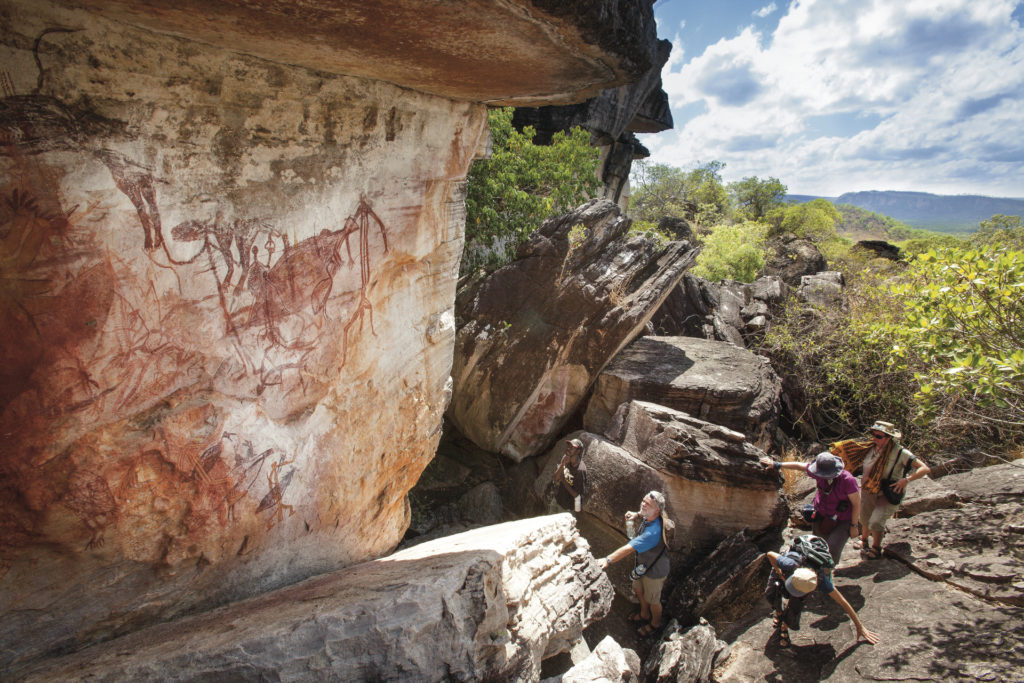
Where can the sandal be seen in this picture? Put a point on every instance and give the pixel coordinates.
(777, 621)
(859, 544)
(784, 638)
(873, 553)
(646, 631)
(637, 617)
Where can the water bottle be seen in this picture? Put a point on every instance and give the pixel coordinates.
(630, 529)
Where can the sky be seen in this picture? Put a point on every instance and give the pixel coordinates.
(834, 96)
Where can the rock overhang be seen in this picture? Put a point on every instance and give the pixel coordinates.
(502, 52)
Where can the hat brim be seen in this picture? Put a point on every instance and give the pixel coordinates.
(793, 590)
(813, 471)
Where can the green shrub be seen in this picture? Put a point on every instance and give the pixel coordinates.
(732, 252)
(509, 195)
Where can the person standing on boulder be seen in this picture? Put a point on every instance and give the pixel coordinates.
(571, 476)
(651, 563)
(884, 483)
(837, 501)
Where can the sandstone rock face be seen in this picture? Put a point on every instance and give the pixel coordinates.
(726, 311)
(710, 475)
(823, 289)
(228, 288)
(516, 52)
(684, 655)
(793, 258)
(715, 381)
(612, 117)
(609, 662)
(487, 604)
(533, 335)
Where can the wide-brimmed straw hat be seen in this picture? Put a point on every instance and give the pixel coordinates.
(886, 428)
(802, 582)
(825, 466)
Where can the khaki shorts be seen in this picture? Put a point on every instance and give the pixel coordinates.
(875, 511)
(650, 589)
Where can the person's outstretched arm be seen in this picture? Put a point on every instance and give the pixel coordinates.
(862, 632)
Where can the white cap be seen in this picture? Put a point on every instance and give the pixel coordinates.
(802, 582)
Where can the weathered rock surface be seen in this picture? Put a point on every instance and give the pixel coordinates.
(684, 655)
(945, 599)
(230, 241)
(611, 118)
(487, 604)
(533, 336)
(520, 52)
(723, 587)
(710, 475)
(714, 381)
(822, 289)
(726, 311)
(792, 258)
(608, 662)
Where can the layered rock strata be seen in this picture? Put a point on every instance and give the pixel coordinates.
(488, 604)
(534, 335)
(714, 381)
(230, 237)
(714, 485)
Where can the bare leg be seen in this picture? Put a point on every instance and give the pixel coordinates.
(645, 609)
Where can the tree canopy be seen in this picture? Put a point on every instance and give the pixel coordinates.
(509, 195)
(755, 198)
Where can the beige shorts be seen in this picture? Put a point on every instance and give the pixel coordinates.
(875, 511)
(650, 589)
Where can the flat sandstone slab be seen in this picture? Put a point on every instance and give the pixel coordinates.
(488, 603)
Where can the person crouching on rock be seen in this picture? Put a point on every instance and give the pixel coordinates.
(801, 570)
(651, 562)
(571, 477)
(836, 503)
(884, 483)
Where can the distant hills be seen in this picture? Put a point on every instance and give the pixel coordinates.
(942, 213)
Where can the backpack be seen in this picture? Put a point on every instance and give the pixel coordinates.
(814, 550)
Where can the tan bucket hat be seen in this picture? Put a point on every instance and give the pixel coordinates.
(886, 428)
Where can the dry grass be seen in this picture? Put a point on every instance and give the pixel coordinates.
(791, 477)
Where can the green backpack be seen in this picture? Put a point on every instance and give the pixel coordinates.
(814, 550)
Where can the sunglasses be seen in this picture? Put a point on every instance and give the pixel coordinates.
(876, 435)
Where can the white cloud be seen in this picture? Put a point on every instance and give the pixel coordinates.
(940, 81)
(765, 11)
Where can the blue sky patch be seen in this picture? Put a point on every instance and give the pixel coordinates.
(841, 124)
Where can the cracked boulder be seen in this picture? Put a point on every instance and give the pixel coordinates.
(487, 604)
(714, 381)
(534, 335)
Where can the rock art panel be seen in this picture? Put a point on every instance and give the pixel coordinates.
(226, 294)
(487, 604)
(533, 335)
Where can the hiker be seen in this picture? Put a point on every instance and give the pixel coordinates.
(650, 546)
(884, 483)
(836, 504)
(804, 568)
(571, 476)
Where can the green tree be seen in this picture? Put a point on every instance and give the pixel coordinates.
(814, 220)
(754, 197)
(733, 251)
(509, 195)
(1000, 230)
(964, 329)
(660, 190)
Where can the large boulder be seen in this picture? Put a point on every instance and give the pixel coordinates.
(790, 258)
(714, 381)
(713, 483)
(608, 663)
(727, 310)
(230, 242)
(684, 655)
(533, 336)
(488, 604)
